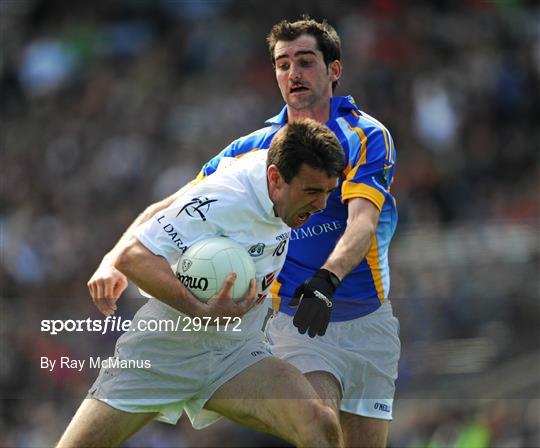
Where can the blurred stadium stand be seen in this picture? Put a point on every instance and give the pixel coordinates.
(108, 106)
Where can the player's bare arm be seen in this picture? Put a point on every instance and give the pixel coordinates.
(314, 297)
(153, 274)
(107, 284)
(355, 242)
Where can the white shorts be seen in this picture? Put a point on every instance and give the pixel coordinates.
(362, 354)
(185, 370)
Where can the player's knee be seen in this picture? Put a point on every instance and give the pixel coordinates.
(328, 420)
(321, 426)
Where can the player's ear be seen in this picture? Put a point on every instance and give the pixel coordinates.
(274, 176)
(335, 69)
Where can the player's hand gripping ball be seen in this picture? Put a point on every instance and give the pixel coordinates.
(204, 266)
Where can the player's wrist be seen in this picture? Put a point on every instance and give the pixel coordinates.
(110, 258)
(329, 277)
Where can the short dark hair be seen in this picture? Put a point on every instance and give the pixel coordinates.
(306, 141)
(328, 41)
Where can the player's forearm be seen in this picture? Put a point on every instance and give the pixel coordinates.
(153, 275)
(350, 250)
(356, 241)
(149, 212)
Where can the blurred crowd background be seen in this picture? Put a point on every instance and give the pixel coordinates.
(107, 107)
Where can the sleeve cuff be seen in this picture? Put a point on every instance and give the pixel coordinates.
(351, 190)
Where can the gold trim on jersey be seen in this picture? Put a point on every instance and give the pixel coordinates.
(351, 172)
(238, 156)
(389, 156)
(274, 290)
(373, 262)
(351, 190)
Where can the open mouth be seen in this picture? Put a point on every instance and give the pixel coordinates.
(297, 89)
(303, 217)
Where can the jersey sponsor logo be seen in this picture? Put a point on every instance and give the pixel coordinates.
(315, 230)
(256, 250)
(173, 234)
(382, 407)
(197, 207)
(186, 264)
(200, 283)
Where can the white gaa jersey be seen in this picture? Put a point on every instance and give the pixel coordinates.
(233, 202)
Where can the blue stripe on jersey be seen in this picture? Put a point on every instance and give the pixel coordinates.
(385, 230)
(370, 159)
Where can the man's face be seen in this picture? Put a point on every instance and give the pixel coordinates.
(303, 78)
(305, 194)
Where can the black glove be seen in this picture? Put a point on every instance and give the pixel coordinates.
(314, 300)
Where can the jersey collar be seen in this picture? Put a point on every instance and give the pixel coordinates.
(337, 104)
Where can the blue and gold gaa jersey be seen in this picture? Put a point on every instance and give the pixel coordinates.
(370, 162)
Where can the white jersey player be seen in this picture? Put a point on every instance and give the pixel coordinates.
(214, 371)
(234, 204)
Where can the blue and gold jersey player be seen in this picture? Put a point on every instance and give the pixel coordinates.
(359, 308)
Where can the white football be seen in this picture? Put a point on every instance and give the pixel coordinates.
(204, 266)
